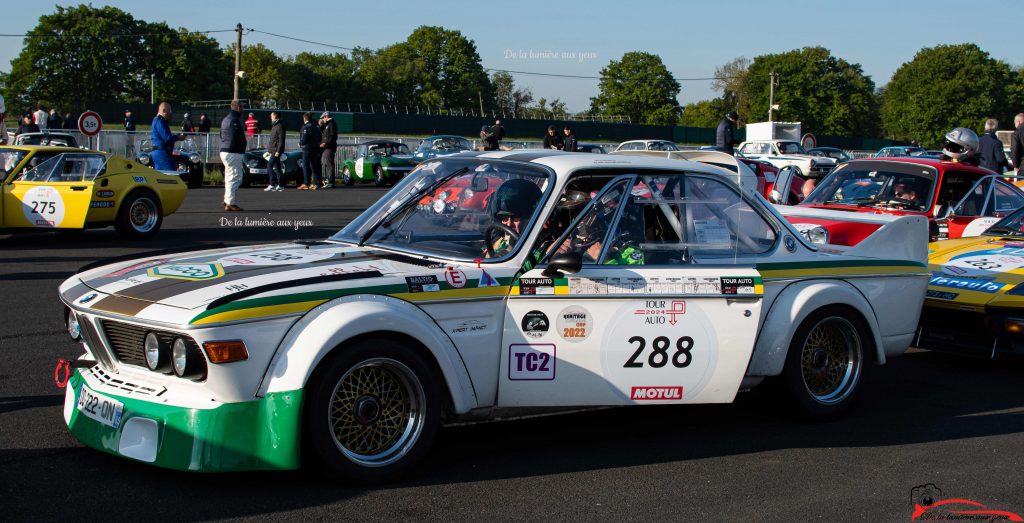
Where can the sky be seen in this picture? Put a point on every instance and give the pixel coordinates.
(579, 38)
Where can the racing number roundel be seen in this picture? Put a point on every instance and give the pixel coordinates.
(90, 123)
(659, 350)
(43, 207)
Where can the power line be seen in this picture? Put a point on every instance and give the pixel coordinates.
(132, 35)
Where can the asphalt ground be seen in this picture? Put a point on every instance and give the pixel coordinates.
(924, 418)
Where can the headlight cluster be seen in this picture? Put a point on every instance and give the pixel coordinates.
(178, 355)
(74, 328)
(252, 164)
(143, 159)
(195, 158)
(817, 235)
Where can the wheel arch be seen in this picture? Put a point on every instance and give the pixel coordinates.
(793, 305)
(335, 325)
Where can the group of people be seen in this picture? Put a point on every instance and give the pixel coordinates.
(319, 144)
(561, 142)
(36, 121)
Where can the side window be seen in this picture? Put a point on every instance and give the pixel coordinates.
(974, 202)
(1005, 199)
(587, 236)
(671, 219)
(749, 148)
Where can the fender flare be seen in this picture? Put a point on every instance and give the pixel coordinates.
(791, 308)
(331, 324)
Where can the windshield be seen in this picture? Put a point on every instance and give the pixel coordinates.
(877, 184)
(457, 208)
(386, 149)
(790, 148)
(444, 145)
(65, 167)
(1012, 225)
(9, 159)
(662, 146)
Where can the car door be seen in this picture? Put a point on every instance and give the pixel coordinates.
(986, 203)
(53, 192)
(642, 321)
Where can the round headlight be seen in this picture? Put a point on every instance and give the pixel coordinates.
(156, 353)
(179, 357)
(143, 159)
(252, 164)
(467, 194)
(195, 158)
(439, 206)
(443, 195)
(74, 329)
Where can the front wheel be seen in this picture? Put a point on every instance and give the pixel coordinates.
(346, 177)
(140, 216)
(378, 176)
(374, 410)
(195, 176)
(828, 359)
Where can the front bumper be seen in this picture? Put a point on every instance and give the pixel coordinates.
(980, 334)
(262, 434)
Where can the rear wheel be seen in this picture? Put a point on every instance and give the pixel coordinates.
(828, 359)
(140, 216)
(195, 176)
(378, 176)
(374, 410)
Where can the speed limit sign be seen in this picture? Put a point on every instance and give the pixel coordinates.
(90, 123)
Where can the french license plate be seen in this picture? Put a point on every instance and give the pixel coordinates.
(100, 408)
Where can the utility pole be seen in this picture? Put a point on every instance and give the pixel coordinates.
(152, 88)
(238, 58)
(771, 93)
(481, 97)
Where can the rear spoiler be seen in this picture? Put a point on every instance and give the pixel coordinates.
(898, 237)
(738, 171)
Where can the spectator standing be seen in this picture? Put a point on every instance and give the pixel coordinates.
(489, 139)
(328, 148)
(553, 140)
(70, 124)
(163, 139)
(54, 120)
(4, 138)
(232, 154)
(990, 149)
(309, 139)
(1017, 142)
(275, 149)
(129, 122)
(41, 116)
(26, 125)
(252, 126)
(570, 140)
(724, 140)
(186, 124)
(204, 123)
(498, 130)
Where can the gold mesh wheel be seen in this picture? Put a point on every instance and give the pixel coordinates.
(143, 214)
(830, 360)
(377, 412)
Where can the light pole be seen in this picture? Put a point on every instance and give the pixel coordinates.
(152, 88)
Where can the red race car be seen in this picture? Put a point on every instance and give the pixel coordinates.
(960, 200)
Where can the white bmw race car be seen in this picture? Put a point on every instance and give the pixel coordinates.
(542, 279)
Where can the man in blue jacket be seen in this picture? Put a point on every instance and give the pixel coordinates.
(232, 154)
(990, 149)
(724, 140)
(309, 143)
(163, 139)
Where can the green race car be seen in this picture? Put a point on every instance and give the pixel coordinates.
(380, 161)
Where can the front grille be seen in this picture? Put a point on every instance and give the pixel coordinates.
(127, 341)
(126, 387)
(92, 339)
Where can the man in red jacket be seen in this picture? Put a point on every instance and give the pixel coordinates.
(252, 128)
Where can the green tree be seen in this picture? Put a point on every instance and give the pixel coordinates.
(264, 80)
(321, 77)
(639, 86)
(827, 94)
(729, 80)
(78, 54)
(944, 87)
(392, 76)
(451, 75)
(187, 66)
(508, 98)
(706, 113)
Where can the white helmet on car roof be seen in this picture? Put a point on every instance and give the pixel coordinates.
(961, 143)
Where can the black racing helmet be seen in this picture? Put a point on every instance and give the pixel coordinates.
(516, 197)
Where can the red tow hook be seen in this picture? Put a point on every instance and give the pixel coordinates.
(65, 367)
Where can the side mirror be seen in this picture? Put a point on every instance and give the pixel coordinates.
(570, 262)
(479, 184)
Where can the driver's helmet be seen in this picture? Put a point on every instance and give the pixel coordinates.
(572, 200)
(961, 143)
(516, 198)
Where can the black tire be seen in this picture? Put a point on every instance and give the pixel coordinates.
(347, 388)
(140, 215)
(346, 177)
(195, 177)
(829, 358)
(379, 179)
(247, 179)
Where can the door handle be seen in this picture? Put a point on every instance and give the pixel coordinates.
(78, 188)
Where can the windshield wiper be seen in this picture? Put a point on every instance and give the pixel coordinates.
(1002, 231)
(412, 197)
(856, 201)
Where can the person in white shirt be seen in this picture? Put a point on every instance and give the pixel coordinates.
(41, 117)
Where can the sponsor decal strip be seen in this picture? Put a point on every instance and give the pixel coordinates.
(121, 305)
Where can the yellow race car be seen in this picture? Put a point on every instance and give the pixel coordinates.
(66, 188)
(975, 298)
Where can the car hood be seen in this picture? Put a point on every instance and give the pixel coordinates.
(243, 283)
(975, 273)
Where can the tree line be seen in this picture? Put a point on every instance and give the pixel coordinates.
(84, 53)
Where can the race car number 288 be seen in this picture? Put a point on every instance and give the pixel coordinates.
(101, 408)
(661, 349)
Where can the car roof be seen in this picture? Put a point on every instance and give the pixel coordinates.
(442, 136)
(382, 142)
(931, 162)
(51, 148)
